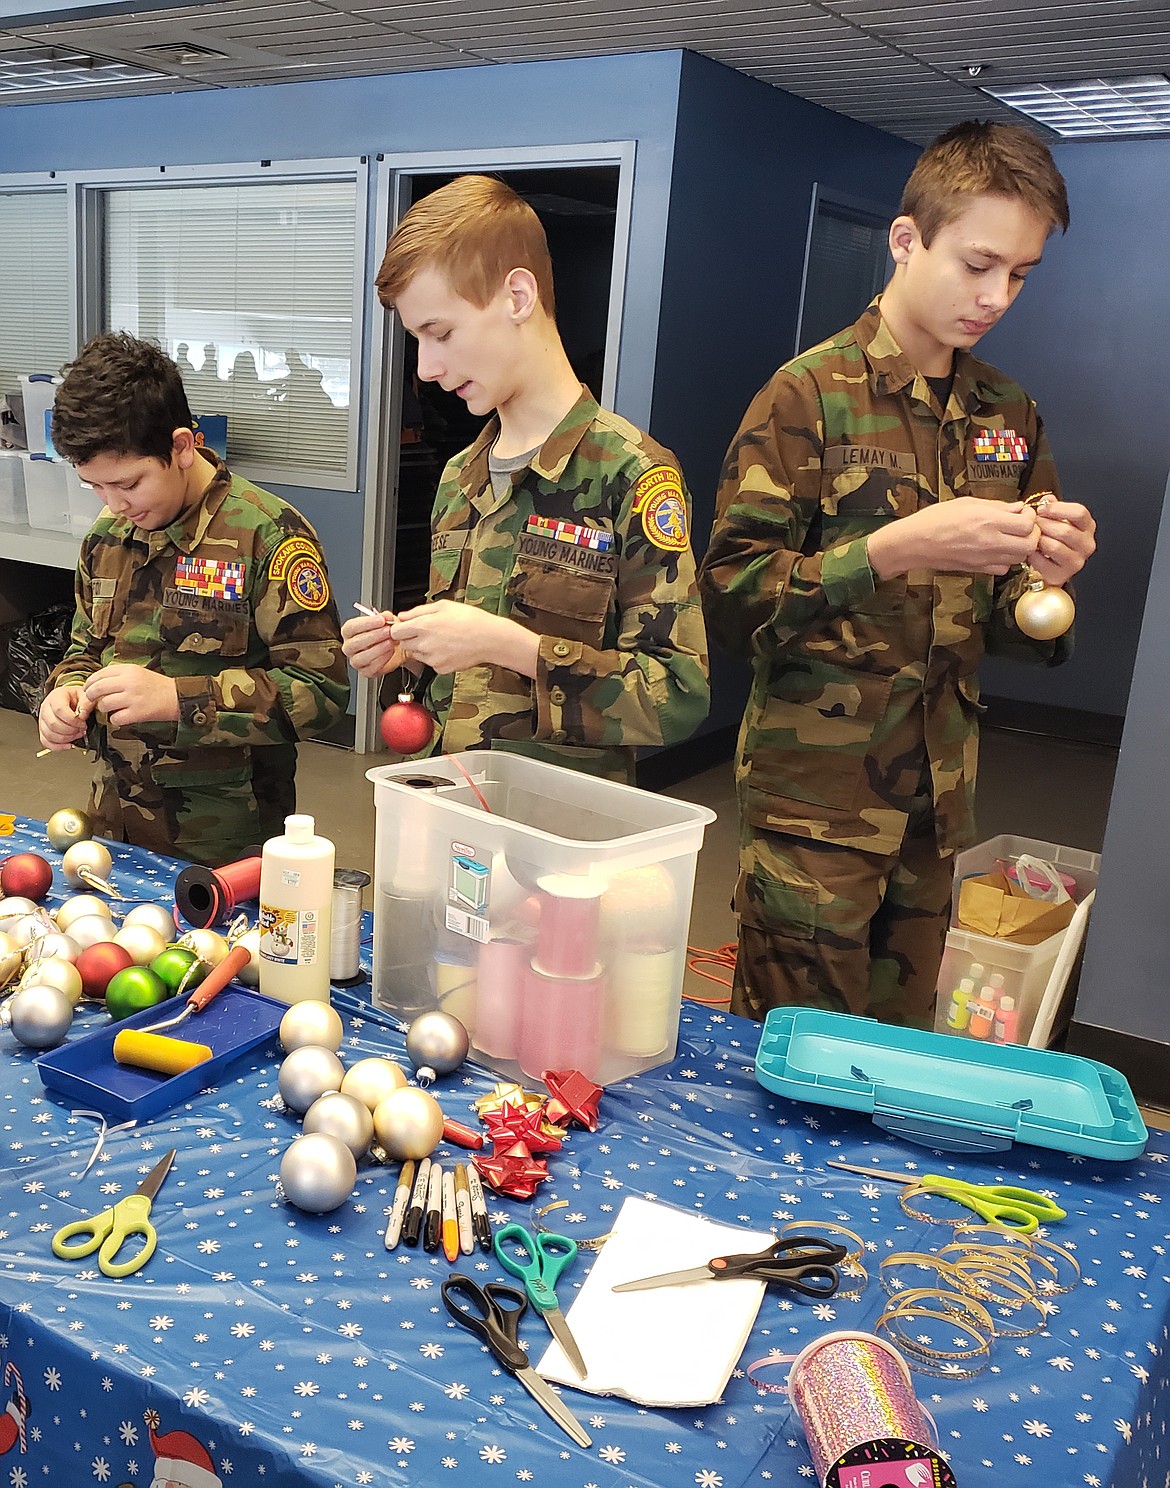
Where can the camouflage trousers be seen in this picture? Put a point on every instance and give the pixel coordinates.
(832, 927)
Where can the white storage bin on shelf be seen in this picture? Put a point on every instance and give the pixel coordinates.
(38, 390)
(1033, 976)
(82, 505)
(46, 493)
(12, 503)
(546, 909)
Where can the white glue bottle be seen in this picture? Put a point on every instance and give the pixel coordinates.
(296, 913)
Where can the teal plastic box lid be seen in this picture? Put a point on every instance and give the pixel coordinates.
(952, 1094)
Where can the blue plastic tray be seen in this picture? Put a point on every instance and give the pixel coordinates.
(950, 1093)
(84, 1072)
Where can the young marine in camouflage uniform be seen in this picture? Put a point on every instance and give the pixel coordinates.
(563, 618)
(205, 640)
(869, 529)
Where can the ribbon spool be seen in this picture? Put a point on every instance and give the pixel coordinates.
(856, 1401)
(207, 896)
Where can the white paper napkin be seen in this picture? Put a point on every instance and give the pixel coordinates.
(673, 1346)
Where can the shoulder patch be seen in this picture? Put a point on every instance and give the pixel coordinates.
(290, 548)
(307, 583)
(658, 497)
(657, 478)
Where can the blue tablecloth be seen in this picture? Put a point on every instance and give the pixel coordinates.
(261, 1343)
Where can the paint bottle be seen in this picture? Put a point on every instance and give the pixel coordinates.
(983, 1014)
(1007, 1022)
(995, 982)
(296, 913)
(959, 1012)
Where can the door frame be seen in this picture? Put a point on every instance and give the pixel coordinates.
(392, 176)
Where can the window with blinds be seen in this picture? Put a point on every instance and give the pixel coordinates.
(848, 263)
(251, 288)
(34, 284)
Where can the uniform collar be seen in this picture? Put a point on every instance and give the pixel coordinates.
(891, 370)
(551, 458)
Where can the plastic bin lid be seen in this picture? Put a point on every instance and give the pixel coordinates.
(947, 1093)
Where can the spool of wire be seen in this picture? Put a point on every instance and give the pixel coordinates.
(345, 941)
(855, 1398)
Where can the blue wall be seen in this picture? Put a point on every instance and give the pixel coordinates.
(1088, 339)
(746, 157)
(517, 106)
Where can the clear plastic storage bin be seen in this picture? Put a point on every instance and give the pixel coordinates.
(1028, 973)
(46, 493)
(12, 503)
(82, 504)
(546, 909)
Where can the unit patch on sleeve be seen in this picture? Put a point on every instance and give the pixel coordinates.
(210, 578)
(658, 496)
(307, 583)
(1003, 446)
(290, 548)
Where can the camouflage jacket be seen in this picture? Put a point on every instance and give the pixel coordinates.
(233, 602)
(855, 680)
(590, 548)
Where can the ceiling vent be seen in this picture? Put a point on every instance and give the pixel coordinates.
(181, 53)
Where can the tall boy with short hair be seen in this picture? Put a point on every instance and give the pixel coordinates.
(205, 641)
(562, 617)
(870, 530)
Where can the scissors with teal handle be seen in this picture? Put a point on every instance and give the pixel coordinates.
(108, 1231)
(1019, 1209)
(539, 1261)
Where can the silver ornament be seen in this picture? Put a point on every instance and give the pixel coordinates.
(437, 1043)
(57, 944)
(90, 929)
(310, 1022)
(317, 1173)
(14, 908)
(11, 956)
(409, 1123)
(209, 945)
(249, 973)
(342, 1117)
(27, 930)
(40, 1016)
(157, 916)
(143, 942)
(67, 826)
(86, 861)
(307, 1073)
(55, 971)
(78, 905)
(372, 1080)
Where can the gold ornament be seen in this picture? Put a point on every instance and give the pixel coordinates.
(1043, 611)
(67, 826)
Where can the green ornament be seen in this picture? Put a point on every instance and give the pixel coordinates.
(133, 989)
(173, 964)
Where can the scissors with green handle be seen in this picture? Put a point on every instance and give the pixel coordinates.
(106, 1232)
(538, 1260)
(1020, 1209)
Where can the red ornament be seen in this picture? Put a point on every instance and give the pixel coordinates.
(572, 1097)
(26, 875)
(406, 726)
(97, 964)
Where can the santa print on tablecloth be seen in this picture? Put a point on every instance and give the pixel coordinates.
(180, 1459)
(15, 1412)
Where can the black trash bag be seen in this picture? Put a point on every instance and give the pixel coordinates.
(35, 646)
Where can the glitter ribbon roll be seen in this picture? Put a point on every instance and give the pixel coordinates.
(855, 1399)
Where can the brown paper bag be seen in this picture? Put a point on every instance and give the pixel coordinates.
(993, 905)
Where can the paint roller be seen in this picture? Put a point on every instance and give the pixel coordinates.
(145, 1048)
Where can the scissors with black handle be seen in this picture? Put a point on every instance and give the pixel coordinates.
(108, 1231)
(803, 1263)
(493, 1312)
(539, 1261)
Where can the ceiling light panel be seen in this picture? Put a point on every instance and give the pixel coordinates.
(1093, 107)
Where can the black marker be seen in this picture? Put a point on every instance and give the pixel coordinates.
(479, 1215)
(412, 1224)
(433, 1219)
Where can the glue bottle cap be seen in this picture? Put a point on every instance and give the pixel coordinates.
(299, 828)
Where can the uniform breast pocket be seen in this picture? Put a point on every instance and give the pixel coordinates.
(198, 632)
(556, 601)
(444, 572)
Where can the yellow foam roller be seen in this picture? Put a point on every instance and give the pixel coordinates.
(154, 1051)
